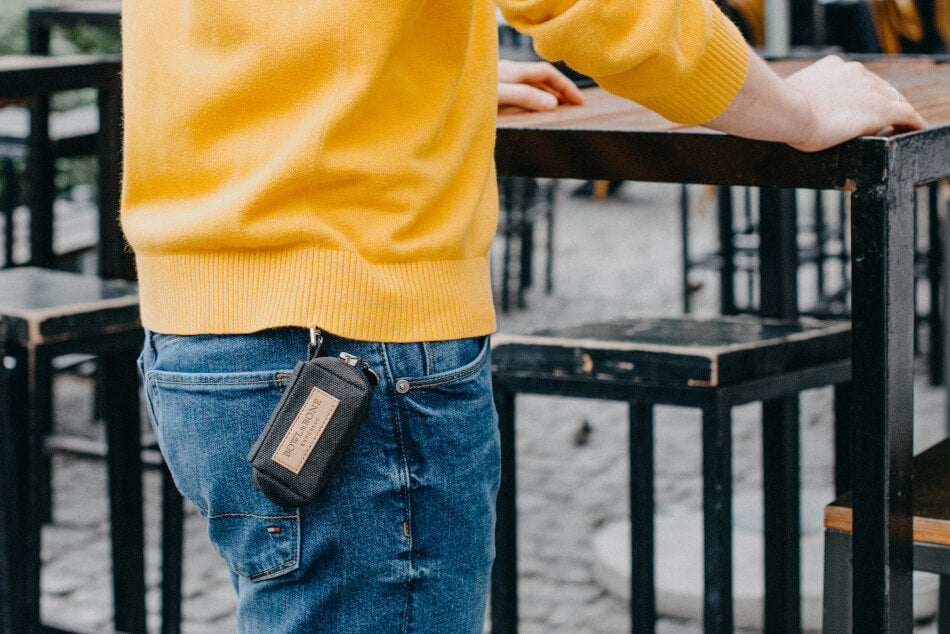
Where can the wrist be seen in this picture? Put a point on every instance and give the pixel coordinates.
(802, 121)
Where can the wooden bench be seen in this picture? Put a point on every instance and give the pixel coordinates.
(931, 534)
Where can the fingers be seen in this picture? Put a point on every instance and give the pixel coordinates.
(525, 96)
(541, 75)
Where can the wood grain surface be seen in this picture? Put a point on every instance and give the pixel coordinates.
(931, 498)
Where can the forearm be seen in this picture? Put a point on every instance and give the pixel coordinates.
(681, 58)
(766, 108)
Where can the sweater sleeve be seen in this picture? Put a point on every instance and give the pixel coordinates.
(681, 58)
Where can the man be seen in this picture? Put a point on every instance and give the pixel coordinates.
(327, 164)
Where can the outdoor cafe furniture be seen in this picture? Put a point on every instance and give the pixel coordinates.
(103, 14)
(49, 313)
(711, 364)
(609, 138)
(931, 534)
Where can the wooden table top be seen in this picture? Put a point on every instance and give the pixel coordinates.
(922, 82)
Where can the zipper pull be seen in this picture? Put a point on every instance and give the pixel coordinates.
(353, 360)
(315, 349)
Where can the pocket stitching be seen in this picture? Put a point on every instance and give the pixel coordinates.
(442, 380)
(287, 564)
(157, 380)
(260, 517)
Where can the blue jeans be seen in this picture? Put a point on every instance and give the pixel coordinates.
(402, 538)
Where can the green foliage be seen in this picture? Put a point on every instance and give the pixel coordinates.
(12, 27)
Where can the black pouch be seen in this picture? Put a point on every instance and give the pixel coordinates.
(311, 428)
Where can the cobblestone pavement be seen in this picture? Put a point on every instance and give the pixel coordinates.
(613, 258)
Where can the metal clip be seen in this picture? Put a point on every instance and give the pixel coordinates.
(353, 360)
(316, 344)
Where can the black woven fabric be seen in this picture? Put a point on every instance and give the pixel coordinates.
(334, 377)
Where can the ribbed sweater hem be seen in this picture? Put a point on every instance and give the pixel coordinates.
(337, 291)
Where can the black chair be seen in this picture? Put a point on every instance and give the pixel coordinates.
(710, 364)
(931, 530)
(51, 315)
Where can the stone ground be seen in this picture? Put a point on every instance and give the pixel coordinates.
(613, 258)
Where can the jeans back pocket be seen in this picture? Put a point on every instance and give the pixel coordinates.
(205, 424)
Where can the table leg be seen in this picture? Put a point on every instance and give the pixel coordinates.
(120, 413)
(843, 432)
(727, 251)
(778, 248)
(14, 595)
(642, 592)
(717, 517)
(115, 260)
(173, 518)
(504, 578)
(684, 246)
(934, 272)
(780, 477)
(25, 519)
(883, 335)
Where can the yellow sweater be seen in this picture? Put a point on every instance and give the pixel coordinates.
(329, 162)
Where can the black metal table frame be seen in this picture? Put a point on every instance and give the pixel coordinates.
(881, 174)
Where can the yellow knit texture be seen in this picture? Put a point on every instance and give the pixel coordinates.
(329, 162)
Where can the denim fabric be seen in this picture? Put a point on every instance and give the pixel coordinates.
(402, 538)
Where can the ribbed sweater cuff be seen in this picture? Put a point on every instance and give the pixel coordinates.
(711, 87)
(339, 292)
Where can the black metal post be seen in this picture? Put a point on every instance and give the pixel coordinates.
(642, 593)
(120, 413)
(9, 510)
(727, 251)
(836, 603)
(717, 517)
(41, 185)
(843, 432)
(684, 245)
(883, 265)
(9, 199)
(943, 606)
(506, 191)
(504, 578)
(40, 174)
(550, 198)
(821, 238)
(115, 261)
(26, 442)
(778, 265)
(934, 272)
(916, 280)
(172, 549)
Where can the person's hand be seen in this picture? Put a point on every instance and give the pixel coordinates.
(822, 105)
(848, 100)
(534, 86)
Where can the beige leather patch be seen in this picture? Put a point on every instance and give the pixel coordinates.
(308, 426)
